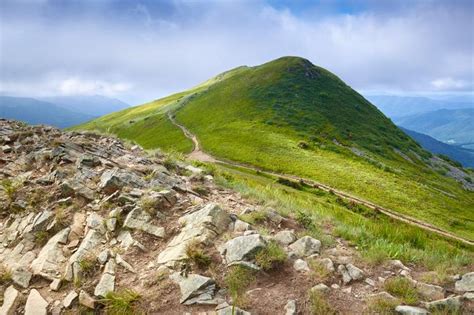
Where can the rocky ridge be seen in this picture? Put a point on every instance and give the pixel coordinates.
(84, 215)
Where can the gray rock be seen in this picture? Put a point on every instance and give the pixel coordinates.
(300, 265)
(89, 243)
(346, 278)
(285, 237)
(290, 308)
(320, 288)
(105, 285)
(35, 304)
(410, 310)
(139, 219)
(195, 289)
(466, 283)
(306, 246)
(11, 299)
(354, 272)
(201, 226)
(429, 291)
(243, 248)
(50, 257)
(70, 299)
(55, 285)
(86, 300)
(22, 277)
(451, 303)
(327, 263)
(121, 262)
(232, 310)
(469, 296)
(241, 226)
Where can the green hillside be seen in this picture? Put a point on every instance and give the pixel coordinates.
(293, 117)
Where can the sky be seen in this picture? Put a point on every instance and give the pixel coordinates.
(139, 51)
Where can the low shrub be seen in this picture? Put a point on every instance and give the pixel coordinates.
(319, 305)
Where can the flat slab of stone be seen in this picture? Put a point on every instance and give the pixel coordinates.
(36, 304)
(429, 291)
(195, 289)
(243, 248)
(139, 219)
(11, 298)
(410, 310)
(466, 284)
(105, 285)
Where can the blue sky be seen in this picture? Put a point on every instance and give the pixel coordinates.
(141, 50)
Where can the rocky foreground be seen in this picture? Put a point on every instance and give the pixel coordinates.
(90, 225)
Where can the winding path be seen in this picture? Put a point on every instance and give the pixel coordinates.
(199, 155)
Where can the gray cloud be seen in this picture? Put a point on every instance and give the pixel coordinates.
(140, 51)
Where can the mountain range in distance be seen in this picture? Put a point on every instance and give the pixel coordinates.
(61, 111)
(397, 106)
(463, 156)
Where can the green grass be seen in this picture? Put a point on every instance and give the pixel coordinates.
(237, 280)
(374, 234)
(261, 115)
(271, 256)
(402, 288)
(319, 305)
(121, 303)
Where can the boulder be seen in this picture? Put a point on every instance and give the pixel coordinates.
(301, 265)
(453, 304)
(22, 277)
(201, 226)
(354, 272)
(429, 291)
(70, 299)
(139, 219)
(410, 310)
(105, 285)
(195, 289)
(346, 278)
(11, 299)
(466, 284)
(320, 288)
(231, 310)
(285, 237)
(36, 304)
(243, 248)
(327, 264)
(306, 246)
(51, 256)
(86, 300)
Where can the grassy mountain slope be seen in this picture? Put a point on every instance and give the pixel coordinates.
(35, 112)
(293, 117)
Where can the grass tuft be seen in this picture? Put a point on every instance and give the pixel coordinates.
(122, 302)
(237, 280)
(197, 255)
(402, 288)
(271, 256)
(319, 305)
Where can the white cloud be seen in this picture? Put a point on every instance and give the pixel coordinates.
(76, 86)
(155, 51)
(449, 84)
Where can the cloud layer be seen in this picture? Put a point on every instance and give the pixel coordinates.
(140, 51)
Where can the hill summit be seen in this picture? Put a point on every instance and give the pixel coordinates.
(291, 117)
